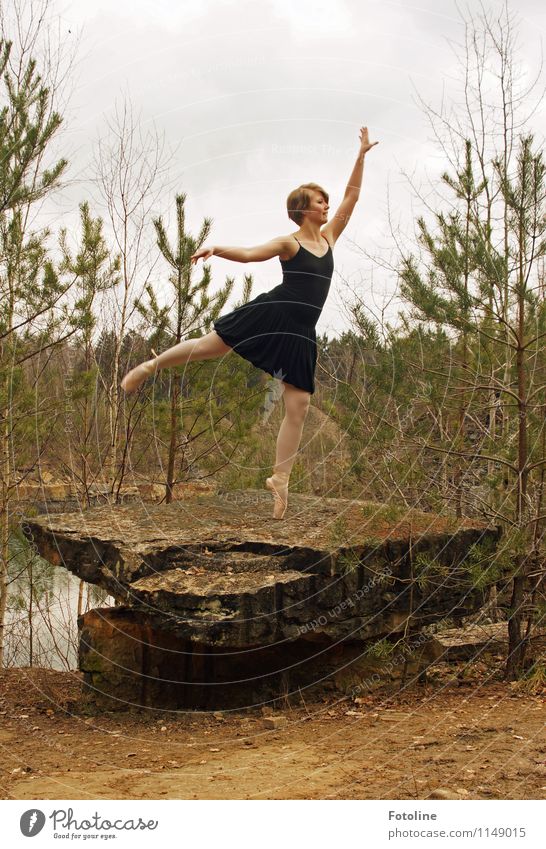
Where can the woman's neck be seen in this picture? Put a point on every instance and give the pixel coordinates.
(311, 234)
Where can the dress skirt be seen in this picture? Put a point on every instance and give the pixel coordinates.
(269, 332)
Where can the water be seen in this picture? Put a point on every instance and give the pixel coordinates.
(41, 618)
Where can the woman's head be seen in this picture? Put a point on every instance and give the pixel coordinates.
(301, 198)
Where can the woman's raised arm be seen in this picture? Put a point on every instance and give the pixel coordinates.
(355, 180)
(340, 219)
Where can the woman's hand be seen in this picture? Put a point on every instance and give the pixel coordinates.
(202, 253)
(365, 144)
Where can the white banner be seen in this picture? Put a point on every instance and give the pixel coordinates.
(255, 824)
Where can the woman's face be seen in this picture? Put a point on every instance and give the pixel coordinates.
(317, 211)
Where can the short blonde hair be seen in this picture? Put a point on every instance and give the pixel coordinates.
(299, 199)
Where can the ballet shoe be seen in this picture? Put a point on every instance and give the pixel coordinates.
(278, 484)
(138, 375)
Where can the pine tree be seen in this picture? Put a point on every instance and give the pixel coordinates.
(91, 271)
(31, 317)
(471, 286)
(193, 308)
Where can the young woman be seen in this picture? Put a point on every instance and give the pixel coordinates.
(276, 330)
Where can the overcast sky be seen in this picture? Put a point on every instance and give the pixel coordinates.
(258, 97)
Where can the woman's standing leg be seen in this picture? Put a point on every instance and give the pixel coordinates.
(206, 347)
(296, 405)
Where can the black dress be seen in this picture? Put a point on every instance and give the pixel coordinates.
(276, 330)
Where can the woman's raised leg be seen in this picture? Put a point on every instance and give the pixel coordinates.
(206, 347)
(296, 405)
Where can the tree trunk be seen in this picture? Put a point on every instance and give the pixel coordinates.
(516, 643)
(4, 523)
(172, 444)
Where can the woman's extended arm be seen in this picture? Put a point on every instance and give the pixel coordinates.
(234, 254)
(257, 254)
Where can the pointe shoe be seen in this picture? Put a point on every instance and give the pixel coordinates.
(278, 484)
(138, 375)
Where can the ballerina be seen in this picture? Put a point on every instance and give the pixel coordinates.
(276, 330)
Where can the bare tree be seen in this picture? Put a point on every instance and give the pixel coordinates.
(131, 165)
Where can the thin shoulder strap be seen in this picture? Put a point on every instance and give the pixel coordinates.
(323, 236)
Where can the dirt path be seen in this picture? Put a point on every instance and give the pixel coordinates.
(474, 737)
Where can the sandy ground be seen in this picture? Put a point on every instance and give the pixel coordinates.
(465, 734)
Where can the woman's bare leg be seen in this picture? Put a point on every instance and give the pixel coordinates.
(296, 405)
(206, 347)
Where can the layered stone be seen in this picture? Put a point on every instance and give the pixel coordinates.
(214, 576)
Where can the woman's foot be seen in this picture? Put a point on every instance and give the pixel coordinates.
(278, 484)
(138, 375)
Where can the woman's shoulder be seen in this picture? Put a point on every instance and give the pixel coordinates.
(329, 235)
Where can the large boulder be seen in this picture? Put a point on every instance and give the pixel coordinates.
(217, 573)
